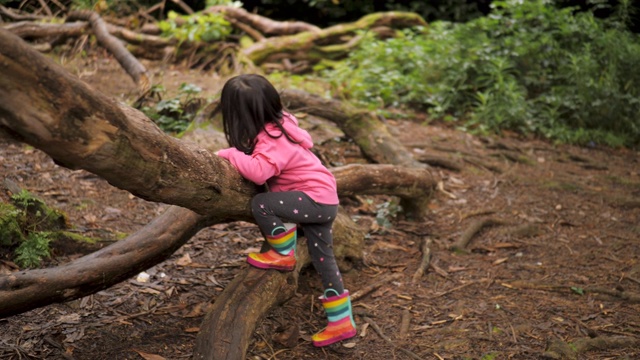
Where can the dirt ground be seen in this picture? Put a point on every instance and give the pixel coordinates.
(554, 260)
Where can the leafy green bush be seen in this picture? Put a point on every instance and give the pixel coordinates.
(172, 115)
(195, 28)
(528, 67)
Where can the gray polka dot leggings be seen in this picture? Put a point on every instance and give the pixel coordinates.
(272, 209)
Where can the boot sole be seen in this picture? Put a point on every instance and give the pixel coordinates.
(260, 265)
(341, 337)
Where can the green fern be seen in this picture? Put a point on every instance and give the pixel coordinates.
(31, 251)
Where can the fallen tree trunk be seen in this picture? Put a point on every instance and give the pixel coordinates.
(33, 30)
(414, 186)
(27, 290)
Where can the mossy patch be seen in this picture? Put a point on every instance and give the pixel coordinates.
(28, 228)
(10, 231)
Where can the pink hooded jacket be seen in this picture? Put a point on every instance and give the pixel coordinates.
(284, 165)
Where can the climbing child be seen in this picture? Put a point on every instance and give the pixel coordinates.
(267, 146)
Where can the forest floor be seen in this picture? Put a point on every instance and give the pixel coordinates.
(555, 261)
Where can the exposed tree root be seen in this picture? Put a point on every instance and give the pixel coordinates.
(472, 231)
(355, 296)
(371, 134)
(414, 186)
(388, 340)
(440, 161)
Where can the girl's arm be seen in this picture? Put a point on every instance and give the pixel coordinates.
(255, 168)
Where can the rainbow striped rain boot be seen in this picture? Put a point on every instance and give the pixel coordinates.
(341, 325)
(282, 255)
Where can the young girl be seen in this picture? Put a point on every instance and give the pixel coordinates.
(267, 146)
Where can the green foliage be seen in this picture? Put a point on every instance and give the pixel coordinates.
(31, 251)
(489, 356)
(172, 115)
(223, 2)
(528, 66)
(36, 213)
(10, 232)
(27, 226)
(577, 290)
(387, 211)
(195, 28)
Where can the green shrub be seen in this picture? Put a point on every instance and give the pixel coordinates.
(528, 66)
(10, 219)
(172, 115)
(195, 28)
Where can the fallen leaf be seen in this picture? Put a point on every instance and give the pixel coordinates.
(184, 260)
(500, 261)
(250, 250)
(287, 337)
(147, 356)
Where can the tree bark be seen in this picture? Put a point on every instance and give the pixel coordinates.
(33, 30)
(414, 186)
(263, 24)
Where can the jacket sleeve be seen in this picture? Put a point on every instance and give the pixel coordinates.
(256, 168)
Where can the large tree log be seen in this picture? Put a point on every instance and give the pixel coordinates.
(26, 290)
(264, 25)
(81, 128)
(35, 30)
(414, 186)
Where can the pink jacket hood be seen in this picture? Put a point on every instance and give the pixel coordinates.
(290, 125)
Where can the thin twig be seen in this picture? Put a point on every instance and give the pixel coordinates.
(472, 230)
(426, 258)
(377, 329)
(405, 322)
(371, 287)
(455, 289)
